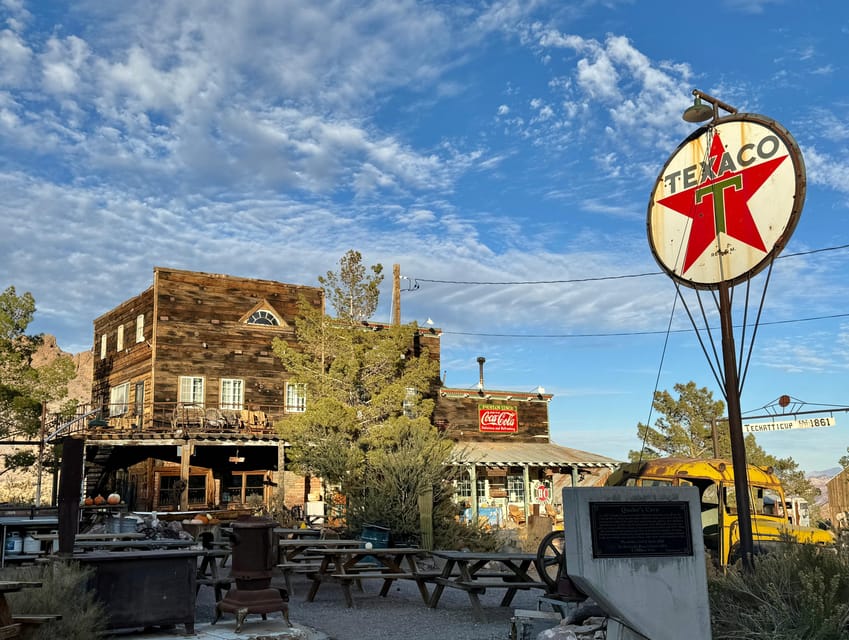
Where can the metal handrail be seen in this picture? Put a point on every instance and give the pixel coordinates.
(65, 426)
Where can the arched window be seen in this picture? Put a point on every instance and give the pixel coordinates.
(261, 316)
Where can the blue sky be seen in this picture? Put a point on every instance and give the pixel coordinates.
(499, 142)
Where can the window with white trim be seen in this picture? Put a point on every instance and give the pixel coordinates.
(296, 397)
(103, 347)
(120, 345)
(191, 390)
(140, 328)
(119, 398)
(515, 488)
(232, 393)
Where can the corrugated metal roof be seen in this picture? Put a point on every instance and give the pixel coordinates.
(536, 454)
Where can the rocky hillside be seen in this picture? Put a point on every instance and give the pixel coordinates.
(18, 487)
(79, 388)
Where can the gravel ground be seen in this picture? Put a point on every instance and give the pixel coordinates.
(402, 615)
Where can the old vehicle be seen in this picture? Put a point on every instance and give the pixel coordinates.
(714, 478)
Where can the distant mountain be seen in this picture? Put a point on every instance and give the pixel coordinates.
(820, 480)
(826, 473)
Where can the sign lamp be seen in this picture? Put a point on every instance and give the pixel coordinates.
(699, 112)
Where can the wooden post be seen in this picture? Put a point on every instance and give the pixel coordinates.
(70, 481)
(396, 294)
(473, 476)
(526, 481)
(426, 518)
(185, 468)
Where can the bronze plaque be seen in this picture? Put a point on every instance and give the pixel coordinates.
(641, 529)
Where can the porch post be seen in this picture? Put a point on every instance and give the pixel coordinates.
(473, 476)
(526, 483)
(281, 471)
(185, 464)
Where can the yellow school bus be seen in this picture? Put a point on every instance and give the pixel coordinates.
(714, 478)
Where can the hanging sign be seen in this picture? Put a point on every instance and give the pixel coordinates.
(543, 493)
(497, 418)
(727, 201)
(783, 425)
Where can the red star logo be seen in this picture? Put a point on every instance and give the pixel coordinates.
(721, 203)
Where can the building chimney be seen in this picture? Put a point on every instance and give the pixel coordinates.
(481, 360)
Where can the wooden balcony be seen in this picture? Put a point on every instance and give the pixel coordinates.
(179, 421)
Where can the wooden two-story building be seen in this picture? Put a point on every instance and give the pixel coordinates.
(189, 388)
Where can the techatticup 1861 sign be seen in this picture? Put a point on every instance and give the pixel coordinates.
(726, 201)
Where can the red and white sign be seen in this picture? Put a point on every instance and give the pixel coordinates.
(543, 493)
(497, 418)
(727, 201)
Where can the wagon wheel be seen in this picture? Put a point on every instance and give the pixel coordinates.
(551, 558)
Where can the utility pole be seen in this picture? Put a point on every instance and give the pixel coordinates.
(396, 294)
(38, 462)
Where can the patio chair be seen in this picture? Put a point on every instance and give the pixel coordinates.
(187, 415)
(517, 514)
(551, 512)
(215, 419)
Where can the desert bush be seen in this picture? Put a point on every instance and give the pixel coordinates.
(797, 592)
(63, 592)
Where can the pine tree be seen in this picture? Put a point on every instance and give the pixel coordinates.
(368, 409)
(25, 389)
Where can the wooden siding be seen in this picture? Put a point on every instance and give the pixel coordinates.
(133, 363)
(458, 418)
(200, 331)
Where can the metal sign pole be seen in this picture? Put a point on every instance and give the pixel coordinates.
(735, 427)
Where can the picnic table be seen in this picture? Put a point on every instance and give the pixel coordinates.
(296, 533)
(347, 565)
(296, 556)
(475, 572)
(208, 575)
(12, 626)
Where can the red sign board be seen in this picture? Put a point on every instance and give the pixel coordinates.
(498, 418)
(543, 493)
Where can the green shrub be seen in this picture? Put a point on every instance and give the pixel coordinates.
(798, 592)
(63, 592)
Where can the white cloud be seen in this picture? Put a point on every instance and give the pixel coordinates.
(827, 170)
(15, 57)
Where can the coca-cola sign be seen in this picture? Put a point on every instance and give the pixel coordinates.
(498, 418)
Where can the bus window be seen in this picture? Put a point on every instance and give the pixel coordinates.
(654, 482)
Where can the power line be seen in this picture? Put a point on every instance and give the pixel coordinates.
(599, 278)
(625, 333)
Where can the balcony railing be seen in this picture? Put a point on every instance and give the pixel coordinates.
(175, 419)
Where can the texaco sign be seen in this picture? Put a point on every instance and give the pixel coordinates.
(727, 201)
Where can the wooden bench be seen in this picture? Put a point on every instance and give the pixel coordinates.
(218, 584)
(364, 575)
(307, 568)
